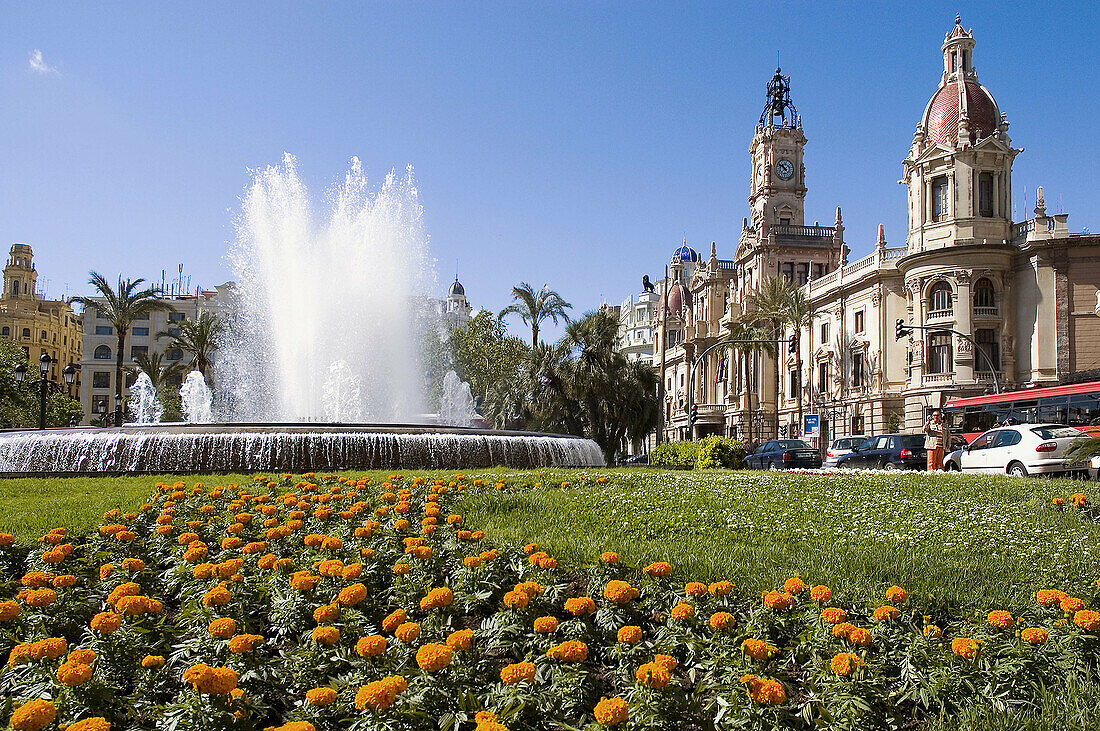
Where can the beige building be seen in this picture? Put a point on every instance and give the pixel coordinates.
(100, 341)
(36, 324)
(1021, 296)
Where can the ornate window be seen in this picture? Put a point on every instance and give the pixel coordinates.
(103, 352)
(940, 207)
(939, 299)
(985, 195)
(857, 370)
(940, 356)
(984, 294)
(987, 343)
(822, 377)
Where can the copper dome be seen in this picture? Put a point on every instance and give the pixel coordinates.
(941, 121)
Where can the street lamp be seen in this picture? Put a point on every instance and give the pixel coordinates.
(43, 390)
(118, 409)
(69, 374)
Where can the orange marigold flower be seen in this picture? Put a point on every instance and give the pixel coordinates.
(758, 649)
(517, 673)
(668, 662)
(9, 610)
(73, 673)
(695, 588)
(370, 646)
(1034, 635)
(843, 629)
(320, 696)
(896, 595)
(821, 593)
(326, 613)
(720, 588)
(393, 620)
(33, 715)
(965, 647)
(579, 606)
(433, 657)
(609, 557)
(843, 663)
(620, 592)
(40, 597)
(683, 611)
(652, 675)
(763, 691)
(569, 651)
(106, 622)
(380, 694)
(1087, 620)
(859, 636)
(401, 569)
(546, 625)
(437, 599)
(721, 620)
(1000, 619)
(1049, 596)
(629, 635)
(932, 632)
(240, 644)
(211, 680)
(461, 640)
(886, 613)
(1071, 604)
(152, 661)
(408, 632)
(223, 627)
(326, 635)
(794, 585)
(82, 656)
(95, 723)
(516, 600)
(658, 569)
(303, 580)
(219, 596)
(834, 615)
(611, 711)
(780, 602)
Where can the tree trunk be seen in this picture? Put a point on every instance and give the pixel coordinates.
(798, 365)
(775, 374)
(748, 395)
(118, 375)
(534, 336)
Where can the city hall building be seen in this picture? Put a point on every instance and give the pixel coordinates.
(1023, 293)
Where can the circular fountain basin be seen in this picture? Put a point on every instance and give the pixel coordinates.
(189, 448)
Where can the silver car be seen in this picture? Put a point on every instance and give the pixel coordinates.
(841, 447)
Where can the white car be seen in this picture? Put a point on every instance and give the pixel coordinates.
(841, 447)
(1026, 449)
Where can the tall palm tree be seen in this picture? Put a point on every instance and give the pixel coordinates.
(121, 306)
(745, 331)
(800, 314)
(198, 337)
(767, 306)
(534, 307)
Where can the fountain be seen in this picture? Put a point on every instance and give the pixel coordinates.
(456, 404)
(196, 398)
(323, 335)
(144, 405)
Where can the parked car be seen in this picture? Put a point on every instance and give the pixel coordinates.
(634, 459)
(888, 452)
(1020, 450)
(841, 447)
(781, 454)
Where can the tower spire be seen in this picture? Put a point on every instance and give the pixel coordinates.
(779, 102)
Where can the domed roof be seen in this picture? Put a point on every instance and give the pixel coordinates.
(456, 290)
(685, 253)
(679, 298)
(941, 119)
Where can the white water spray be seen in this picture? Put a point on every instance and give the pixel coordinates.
(196, 399)
(144, 406)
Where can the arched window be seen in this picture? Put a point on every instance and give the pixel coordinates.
(939, 300)
(103, 352)
(984, 294)
(6, 332)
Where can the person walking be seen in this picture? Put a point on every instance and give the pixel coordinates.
(935, 438)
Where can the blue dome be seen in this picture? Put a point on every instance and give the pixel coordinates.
(686, 253)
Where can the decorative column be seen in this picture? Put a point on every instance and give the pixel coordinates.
(964, 350)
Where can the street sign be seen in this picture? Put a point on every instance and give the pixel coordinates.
(811, 425)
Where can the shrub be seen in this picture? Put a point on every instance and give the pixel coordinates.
(715, 452)
(675, 455)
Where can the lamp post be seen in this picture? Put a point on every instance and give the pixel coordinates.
(118, 409)
(43, 384)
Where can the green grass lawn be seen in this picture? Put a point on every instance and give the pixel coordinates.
(976, 541)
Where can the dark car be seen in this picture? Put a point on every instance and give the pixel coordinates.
(634, 459)
(888, 452)
(781, 454)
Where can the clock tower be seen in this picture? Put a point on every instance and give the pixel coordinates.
(778, 189)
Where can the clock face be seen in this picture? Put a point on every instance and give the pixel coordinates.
(759, 173)
(784, 169)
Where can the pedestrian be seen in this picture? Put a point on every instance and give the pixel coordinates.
(935, 437)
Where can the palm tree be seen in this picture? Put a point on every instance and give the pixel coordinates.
(160, 372)
(121, 307)
(534, 307)
(198, 337)
(767, 305)
(800, 314)
(747, 332)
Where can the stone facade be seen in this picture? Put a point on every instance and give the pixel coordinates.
(36, 324)
(1023, 295)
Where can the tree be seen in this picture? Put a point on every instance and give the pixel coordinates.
(19, 402)
(121, 306)
(745, 331)
(162, 374)
(767, 306)
(199, 338)
(487, 357)
(799, 314)
(534, 307)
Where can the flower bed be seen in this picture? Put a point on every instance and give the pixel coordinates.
(333, 603)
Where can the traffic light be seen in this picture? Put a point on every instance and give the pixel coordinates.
(694, 414)
(901, 330)
(792, 344)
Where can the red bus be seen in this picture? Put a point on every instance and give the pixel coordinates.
(1077, 405)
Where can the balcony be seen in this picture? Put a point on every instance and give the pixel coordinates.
(986, 313)
(938, 379)
(940, 315)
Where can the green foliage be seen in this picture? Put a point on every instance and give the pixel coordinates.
(675, 455)
(534, 307)
(893, 422)
(492, 362)
(720, 452)
(20, 402)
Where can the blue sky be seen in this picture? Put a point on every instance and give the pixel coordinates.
(572, 143)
